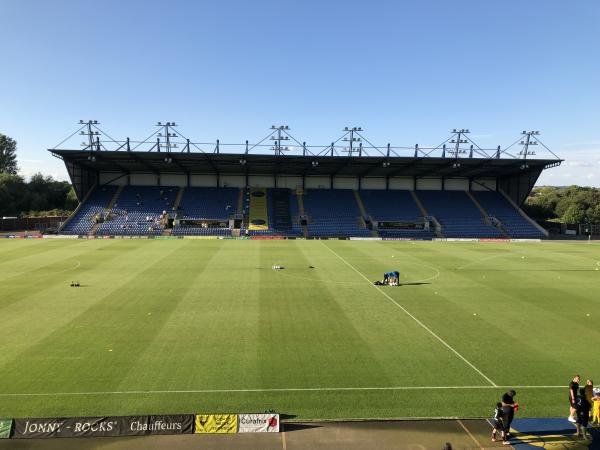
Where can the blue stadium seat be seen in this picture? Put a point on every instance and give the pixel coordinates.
(515, 224)
(137, 210)
(333, 213)
(83, 221)
(458, 215)
(394, 206)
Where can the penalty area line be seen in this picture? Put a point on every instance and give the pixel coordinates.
(425, 327)
(317, 389)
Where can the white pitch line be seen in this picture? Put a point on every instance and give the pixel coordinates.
(425, 327)
(318, 389)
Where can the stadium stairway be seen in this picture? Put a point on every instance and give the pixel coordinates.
(258, 216)
(419, 204)
(177, 202)
(394, 206)
(486, 216)
(514, 221)
(457, 214)
(301, 211)
(523, 214)
(98, 201)
(107, 210)
(363, 213)
(78, 209)
(240, 202)
(438, 226)
(333, 213)
(280, 216)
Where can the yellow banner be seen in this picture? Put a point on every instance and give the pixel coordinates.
(216, 423)
(258, 215)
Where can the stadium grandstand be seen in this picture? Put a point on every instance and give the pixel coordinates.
(280, 187)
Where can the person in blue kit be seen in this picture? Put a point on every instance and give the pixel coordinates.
(389, 278)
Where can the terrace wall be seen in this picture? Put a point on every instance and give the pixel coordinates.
(296, 181)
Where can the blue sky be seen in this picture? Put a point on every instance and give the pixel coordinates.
(406, 71)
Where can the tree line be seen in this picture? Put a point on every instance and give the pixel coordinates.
(569, 204)
(40, 196)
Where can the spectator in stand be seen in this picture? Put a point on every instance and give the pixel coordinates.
(573, 388)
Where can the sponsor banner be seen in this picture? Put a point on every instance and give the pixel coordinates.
(267, 238)
(461, 240)
(525, 240)
(5, 426)
(365, 239)
(200, 237)
(258, 423)
(493, 240)
(398, 239)
(102, 426)
(165, 237)
(216, 423)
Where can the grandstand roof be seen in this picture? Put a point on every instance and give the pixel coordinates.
(242, 163)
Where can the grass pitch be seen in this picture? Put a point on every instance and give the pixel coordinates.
(208, 326)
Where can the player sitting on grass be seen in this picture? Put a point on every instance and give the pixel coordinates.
(498, 424)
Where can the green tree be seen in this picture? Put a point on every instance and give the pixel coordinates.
(573, 214)
(13, 195)
(8, 155)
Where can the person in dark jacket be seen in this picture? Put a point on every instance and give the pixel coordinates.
(508, 413)
(582, 408)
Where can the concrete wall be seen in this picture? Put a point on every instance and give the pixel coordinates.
(109, 177)
(345, 183)
(456, 184)
(143, 179)
(317, 182)
(203, 180)
(294, 181)
(429, 184)
(264, 181)
(173, 179)
(403, 183)
(372, 183)
(232, 181)
(489, 182)
(289, 181)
